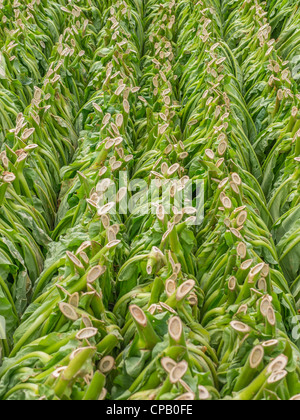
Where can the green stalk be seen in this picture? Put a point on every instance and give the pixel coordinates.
(72, 370)
(164, 389)
(251, 390)
(41, 356)
(148, 336)
(251, 368)
(107, 344)
(31, 387)
(46, 276)
(8, 294)
(34, 326)
(94, 389)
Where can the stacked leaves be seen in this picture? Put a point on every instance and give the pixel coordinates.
(151, 303)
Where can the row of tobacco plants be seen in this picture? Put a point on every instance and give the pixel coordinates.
(98, 303)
